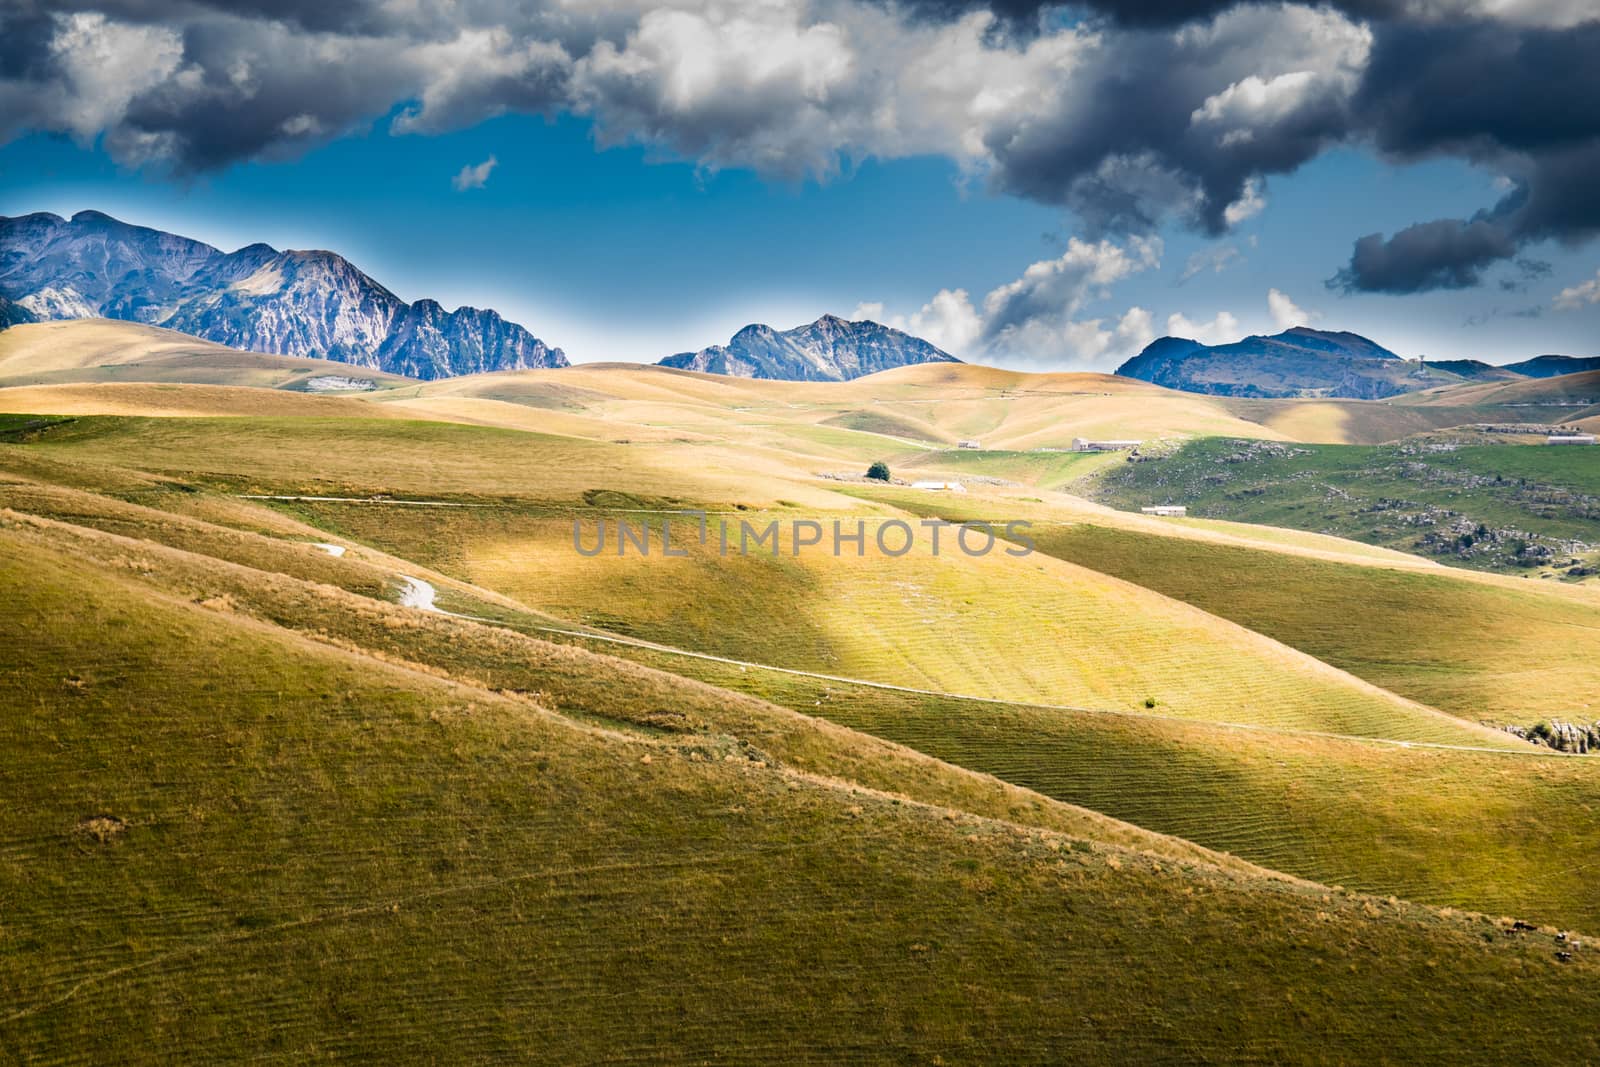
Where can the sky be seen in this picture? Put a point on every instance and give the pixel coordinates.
(1035, 186)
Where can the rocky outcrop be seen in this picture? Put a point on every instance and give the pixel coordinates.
(297, 303)
(14, 314)
(1561, 736)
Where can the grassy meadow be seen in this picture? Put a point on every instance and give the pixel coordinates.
(1492, 506)
(1163, 791)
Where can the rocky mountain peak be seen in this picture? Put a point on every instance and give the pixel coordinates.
(829, 349)
(301, 302)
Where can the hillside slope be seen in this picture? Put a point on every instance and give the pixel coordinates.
(234, 837)
(1510, 507)
(103, 350)
(1551, 399)
(1442, 825)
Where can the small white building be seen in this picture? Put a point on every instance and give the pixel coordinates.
(1080, 444)
(1570, 439)
(968, 444)
(940, 487)
(1175, 511)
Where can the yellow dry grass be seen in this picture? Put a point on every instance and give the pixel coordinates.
(1311, 420)
(321, 835)
(181, 401)
(1566, 388)
(95, 350)
(932, 402)
(1025, 629)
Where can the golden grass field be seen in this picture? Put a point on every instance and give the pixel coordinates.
(101, 350)
(1164, 791)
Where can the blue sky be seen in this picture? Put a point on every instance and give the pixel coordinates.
(633, 252)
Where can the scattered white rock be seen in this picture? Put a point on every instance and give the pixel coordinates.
(416, 593)
(335, 383)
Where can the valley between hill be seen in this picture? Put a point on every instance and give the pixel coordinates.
(1174, 790)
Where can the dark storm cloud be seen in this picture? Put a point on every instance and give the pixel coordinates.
(1149, 13)
(1133, 145)
(25, 44)
(1161, 108)
(344, 16)
(193, 87)
(1443, 254)
(1520, 99)
(1481, 86)
(257, 89)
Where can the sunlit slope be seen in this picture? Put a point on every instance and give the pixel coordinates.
(928, 405)
(1455, 828)
(1403, 832)
(183, 401)
(335, 600)
(1467, 828)
(104, 350)
(1484, 647)
(1482, 650)
(229, 840)
(1034, 629)
(1557, 399)
(1031, 629)
(420, 459)
(1000, 504)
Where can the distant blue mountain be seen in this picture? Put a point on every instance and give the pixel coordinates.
(1296, 363)
(828, 350)
(1554, 366)
(258, 298)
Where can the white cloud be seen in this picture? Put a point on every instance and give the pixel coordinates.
(301, 125)
(1553, 14)
(729, 85)
(479, 73)
(1216, 259)
(1251, 204)
(1257, 101)
(473, 175)
(105, 65)
(1286, 313)
(1034, 319)
(1060, 286)
(948, 320)
(1220, 330)
(1580, 295)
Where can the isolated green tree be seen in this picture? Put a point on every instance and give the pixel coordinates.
(879, 471)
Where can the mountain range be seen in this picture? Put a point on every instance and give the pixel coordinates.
(1298, 362)
(1554, 366)
(297, 303)
(316, 303)
(828, 350)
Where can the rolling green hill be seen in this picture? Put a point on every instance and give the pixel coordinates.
(227, 837)
(1149, 794)
(1497, 506)
(1485, 648)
